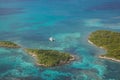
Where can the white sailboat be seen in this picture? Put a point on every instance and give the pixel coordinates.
(51, 39)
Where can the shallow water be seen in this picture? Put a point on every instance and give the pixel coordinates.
(31, 22)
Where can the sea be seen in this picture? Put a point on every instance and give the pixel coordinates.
(30, 23)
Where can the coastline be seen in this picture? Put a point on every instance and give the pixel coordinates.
(35, 57)
(109, 58)
(103, 56)
(95, 45)
(90, 42)
(71, 59)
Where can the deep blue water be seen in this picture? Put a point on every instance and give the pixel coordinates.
(31, 22)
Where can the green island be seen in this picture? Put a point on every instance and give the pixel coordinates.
(49, 58)
(108, 40)
(8, 44)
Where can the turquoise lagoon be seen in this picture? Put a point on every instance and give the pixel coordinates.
(31, 22)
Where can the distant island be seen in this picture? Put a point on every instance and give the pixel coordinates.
(108, 40)
(8, 44)
(49, 58)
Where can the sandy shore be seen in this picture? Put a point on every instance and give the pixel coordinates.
(90, 42)
(113, 59)
(94, 44)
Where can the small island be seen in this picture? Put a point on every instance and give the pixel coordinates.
(108, 40)
(8, 44)
(49, 58)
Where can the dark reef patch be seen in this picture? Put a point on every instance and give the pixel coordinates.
(10, 1)
(9, 11)
(112, 68)
(21, 78)
(106, 6)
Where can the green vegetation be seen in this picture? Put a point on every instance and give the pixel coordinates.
(8, 44)
(49, 58)
(109, 40)
(46, 58)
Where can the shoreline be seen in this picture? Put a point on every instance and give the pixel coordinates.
(104, 57)
(71, 59)
(35, 57)
(90, 42)
(109, 58)
(95, 45)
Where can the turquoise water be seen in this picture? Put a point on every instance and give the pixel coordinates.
(31, 22)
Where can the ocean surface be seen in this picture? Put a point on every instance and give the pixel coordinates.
(31, 22)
